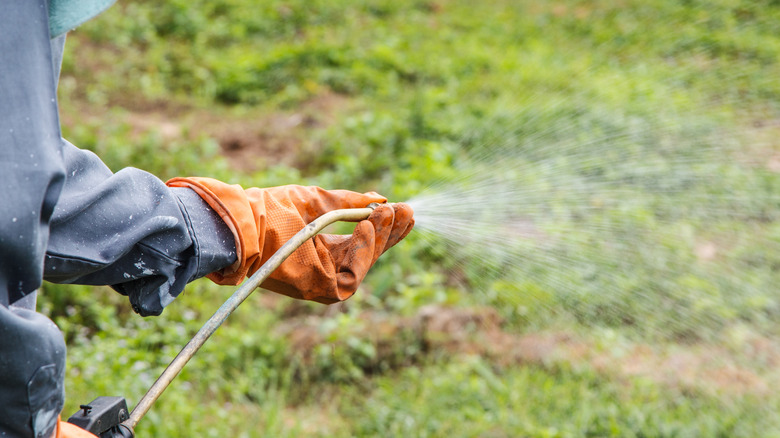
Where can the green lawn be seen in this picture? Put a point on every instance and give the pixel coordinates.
(642, 137)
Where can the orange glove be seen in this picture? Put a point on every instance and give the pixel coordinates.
(67, 430)
(327, 268)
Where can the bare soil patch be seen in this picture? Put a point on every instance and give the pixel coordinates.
(251, 141)
(761, 141)
(704, 368)
(254, 142)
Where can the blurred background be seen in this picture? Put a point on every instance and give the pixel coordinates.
(597, 192)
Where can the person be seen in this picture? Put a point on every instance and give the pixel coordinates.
(67, 218)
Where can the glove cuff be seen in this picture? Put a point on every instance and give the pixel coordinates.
(67, 430)
(230, 202)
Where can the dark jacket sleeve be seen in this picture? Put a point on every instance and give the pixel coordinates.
(31, 170)
(132, 232)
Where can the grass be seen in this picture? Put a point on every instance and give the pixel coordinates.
(395, 95)
(469, 398)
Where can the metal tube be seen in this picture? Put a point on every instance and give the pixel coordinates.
(238, 297)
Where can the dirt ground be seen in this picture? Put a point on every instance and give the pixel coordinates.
(251, 141)
(698, 367)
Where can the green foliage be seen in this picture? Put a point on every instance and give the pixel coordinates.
(470, 398)
(430, 85)
(118, 147)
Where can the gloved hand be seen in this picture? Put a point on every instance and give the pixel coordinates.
(327, 268)
(67, 430)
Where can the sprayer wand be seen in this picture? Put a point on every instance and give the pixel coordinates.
(116, 412)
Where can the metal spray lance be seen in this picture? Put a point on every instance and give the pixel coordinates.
(107, 417)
